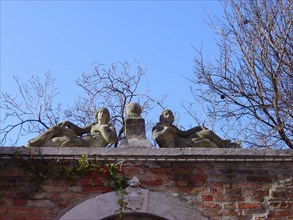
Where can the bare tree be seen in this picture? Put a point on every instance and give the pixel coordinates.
(114, 88)
(249, 85)
(32, 110)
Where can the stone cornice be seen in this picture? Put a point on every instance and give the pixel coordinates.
(150, 154)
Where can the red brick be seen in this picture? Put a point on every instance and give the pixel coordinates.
(15, 172)
(189, 190)
(5, 186)
(228, 198)
(231, 205)
(281, 205)
(41, 218)
(281, 194)
(215, 212)
(104, 189)
(206, 205)
(252, 206)
(206, 197)
(216, 191)
(152, 177)
(233, 191)
(259, 178)
(19, 202)
(180, 170)
(279, 214)
(181, 183)
(63, 205)
(199, 177)
(138, 170)
(215, 184)
(70, 196)
(19, 218)
(246, 185)
(53, 189)
(17, 211)
(39, 212)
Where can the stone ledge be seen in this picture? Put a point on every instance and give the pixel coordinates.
(150, 154)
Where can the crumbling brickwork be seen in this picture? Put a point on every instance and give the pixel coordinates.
(220, 189)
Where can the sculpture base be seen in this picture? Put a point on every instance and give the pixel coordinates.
(135, 143)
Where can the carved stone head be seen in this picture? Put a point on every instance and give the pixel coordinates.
(102, 116)
(167, 116)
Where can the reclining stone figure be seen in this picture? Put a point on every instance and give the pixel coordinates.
(66, 134)
(168, 135)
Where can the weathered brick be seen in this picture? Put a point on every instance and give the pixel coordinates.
(233, 191)
(139, 170)
(205, 205)
(246, 185)
(280, 194)
(199, 177)
(180, 170)
(206, 197)
(15, 172)
(260, 178)
(280, 213)
(19, 202)
(181, 183)
(53, 189)
(230, 205)
(19, 217)
(228, 198)
(40, 212)
(215, 188)
(282, 204)
(255, 194)
(252, 206)
(153, 183)
(17, 211)
(216, 191)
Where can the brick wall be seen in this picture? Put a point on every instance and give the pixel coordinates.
(221, 186)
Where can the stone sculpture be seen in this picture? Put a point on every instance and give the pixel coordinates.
(66, 134)
(168, 135)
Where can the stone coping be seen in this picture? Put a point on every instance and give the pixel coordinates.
(149, 154)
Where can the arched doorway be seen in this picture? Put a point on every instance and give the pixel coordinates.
(157, 206)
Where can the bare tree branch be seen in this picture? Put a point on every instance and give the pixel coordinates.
(32, 110)
(253, 76)
(114, 88)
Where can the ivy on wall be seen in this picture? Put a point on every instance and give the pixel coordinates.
(37, 171)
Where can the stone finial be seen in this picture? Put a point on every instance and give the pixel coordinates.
(133, 110)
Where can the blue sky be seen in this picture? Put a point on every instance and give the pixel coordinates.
(68, 37)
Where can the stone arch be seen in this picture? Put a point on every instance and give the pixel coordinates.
(134, 216)
(157, 206)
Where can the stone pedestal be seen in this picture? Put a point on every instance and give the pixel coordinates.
(134, 128)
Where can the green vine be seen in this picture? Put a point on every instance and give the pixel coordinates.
(69, 170)
(120, 184)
